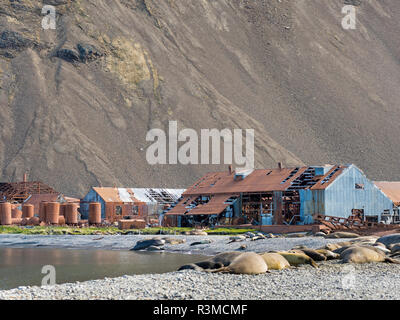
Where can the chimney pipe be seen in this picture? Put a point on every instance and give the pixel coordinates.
(280, 165)
(25, 177)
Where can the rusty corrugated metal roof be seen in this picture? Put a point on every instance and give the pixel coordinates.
(391, 189)
(135, 195)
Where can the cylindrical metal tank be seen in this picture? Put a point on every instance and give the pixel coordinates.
(5, 212)
(42, 211)
(71, 213)
(52, 212)
(62, 209)
(28, 211)
(94, 213)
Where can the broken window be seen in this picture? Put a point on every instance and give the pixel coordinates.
(360, 186)
(118, 210)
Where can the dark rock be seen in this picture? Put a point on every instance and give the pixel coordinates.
(13, 40)
(88, 53)
(68, 55)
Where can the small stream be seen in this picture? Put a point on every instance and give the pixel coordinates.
(23, 266)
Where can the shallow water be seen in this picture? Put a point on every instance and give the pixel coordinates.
(23, 267)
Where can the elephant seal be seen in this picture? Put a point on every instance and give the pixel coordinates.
(191, 266)
(237, 239)
(296, 259)
(313, 254)
(364, 254)
(144, 244)
(275, 261)
(174, 241)
(246, 263)
(342, 235)
(206, 241)
(220, 260)
(395, 248)
(337, 245)
(389, 239)
(328, 254)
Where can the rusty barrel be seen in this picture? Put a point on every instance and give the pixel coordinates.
(63, 206)
(94, 213)
(71, 213)
(16, 213)
(5, 212)
(52, 212)
(28, 211)
(42, 211)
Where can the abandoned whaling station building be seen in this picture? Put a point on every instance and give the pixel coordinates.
(127, 203)
(281, 197)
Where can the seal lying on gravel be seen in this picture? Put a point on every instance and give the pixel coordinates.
(328, 254)
(364, 254)
(340, 235)
(245, 263)
(313, 254)
(389, 239)
(275, 261)
(223, 259)
(144, 244)
(296, 259)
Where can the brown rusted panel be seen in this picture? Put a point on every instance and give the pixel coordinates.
(94, 213)
(320, 186)
(28, 211)
(52, 212)
(42, 211)
(63, 206)
(5, 211)
(16, 213)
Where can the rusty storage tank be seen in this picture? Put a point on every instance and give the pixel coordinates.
(28, 211)
(16, 213)
(42, 211)
(52, 212)
(94, 213)
(61, 220)
(71, 213)
(62, 209)
(5, 212)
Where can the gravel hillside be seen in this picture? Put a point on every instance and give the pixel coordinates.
(76, 102)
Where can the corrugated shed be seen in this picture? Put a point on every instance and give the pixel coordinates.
(353, 190)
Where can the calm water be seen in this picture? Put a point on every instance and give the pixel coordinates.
(22, 267)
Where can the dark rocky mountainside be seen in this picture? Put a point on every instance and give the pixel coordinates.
(76, 102)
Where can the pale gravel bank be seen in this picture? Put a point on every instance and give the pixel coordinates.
(331, 281)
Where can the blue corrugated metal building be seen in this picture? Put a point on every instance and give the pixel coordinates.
(351, 191)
